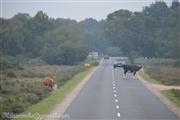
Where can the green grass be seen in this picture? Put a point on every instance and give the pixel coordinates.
(173, 95)
(158, 62)
(55, 97)
(165, 75)
(148, 78)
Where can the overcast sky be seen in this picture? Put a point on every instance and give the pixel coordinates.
(73, 9)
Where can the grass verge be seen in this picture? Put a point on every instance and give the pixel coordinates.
(173, 95)
(55, 97)
(147, 77)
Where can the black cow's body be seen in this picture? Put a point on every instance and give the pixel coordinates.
(131, 68)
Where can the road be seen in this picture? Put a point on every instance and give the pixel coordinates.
(107, 96)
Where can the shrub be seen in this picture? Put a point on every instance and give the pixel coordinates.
(11, 74)
(95, 63)
(167, 76)
(18, 107)
(42, 93)
(7, 62)
(9, 88)
(32, 74)
(176, 63)
(30, 97)
(176, 93)
(20, 68)
(13, 104)
(28, 74)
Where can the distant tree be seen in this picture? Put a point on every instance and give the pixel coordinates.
(175, 4)
(154, 32)
(93, 34)
(63, 44)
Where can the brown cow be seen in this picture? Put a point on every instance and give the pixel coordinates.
(48, 82)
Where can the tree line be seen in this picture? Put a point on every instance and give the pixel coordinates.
(56, 41)
(154, 32)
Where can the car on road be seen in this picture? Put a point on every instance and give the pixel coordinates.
(106, 57)
(118, 63)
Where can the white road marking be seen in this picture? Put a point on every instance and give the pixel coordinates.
(115, 95)
(112, 75)
(117, 106)
(118, 114)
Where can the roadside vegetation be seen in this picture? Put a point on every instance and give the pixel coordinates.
(54, 97)
(173, 95)
(22, 84)
(166, 75)
(23, 88)
(158, 62)
(164, 72)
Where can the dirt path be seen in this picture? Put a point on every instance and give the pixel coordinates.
(163, 87)
(157, 90)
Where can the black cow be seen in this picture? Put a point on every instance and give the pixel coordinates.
(131, 68)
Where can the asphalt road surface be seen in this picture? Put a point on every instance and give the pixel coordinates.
(107, 96)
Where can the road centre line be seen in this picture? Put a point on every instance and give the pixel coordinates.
(118, 114)
(117, 106)
(113, 76)
(115, 95)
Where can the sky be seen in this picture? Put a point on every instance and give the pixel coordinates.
(73, 9)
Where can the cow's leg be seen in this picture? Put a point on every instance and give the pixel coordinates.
(51, 86)
(134, 75)
(55, 87)
(124, 75)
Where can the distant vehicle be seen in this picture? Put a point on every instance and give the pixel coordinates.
(118, 62)
(106, 57)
